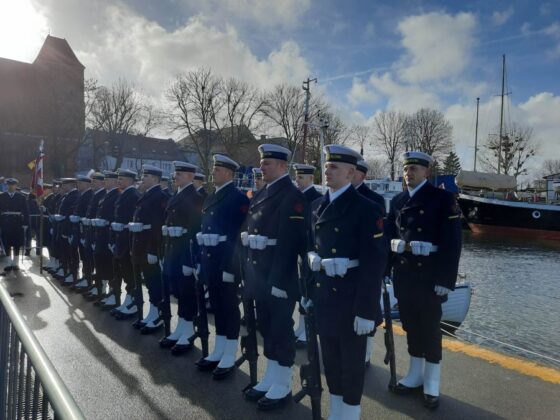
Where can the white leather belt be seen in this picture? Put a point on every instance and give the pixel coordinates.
(11, 213)
(136, 227)
(74, 218)
(332, 266)
(59, 217)
(99, 222)
(118, 227)
(86, 221)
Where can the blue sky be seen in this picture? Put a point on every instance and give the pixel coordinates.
(368, 55)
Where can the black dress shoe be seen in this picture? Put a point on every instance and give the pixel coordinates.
(121, 316)
(266, 404)
(253, 395)
(222, 373)
(167, 343)
(206, 365)
(150, 329)
(179, 349)
(431, 401)
(15, 268)
(401, 389)
(138, 323)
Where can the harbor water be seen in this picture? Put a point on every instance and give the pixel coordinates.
(516, 295)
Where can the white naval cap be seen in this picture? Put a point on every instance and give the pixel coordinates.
(83, 178)
(257, 173)
(273, 151)
(416, 158)
(151, 170)
(303, 169)
(199, 176)
(362, 166)
(226, 162)
(127, 173)
(184, 166)
(338, 153)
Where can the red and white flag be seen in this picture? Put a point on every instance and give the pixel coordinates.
(37, 178)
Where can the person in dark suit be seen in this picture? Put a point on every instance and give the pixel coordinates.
(348, 257)
(222, 215)
(275, 233)
(124, 208)
(74, 243)
(145, 228)
(55, 245)
(199, 180)
(358, 183)
(85, 284)
(101, 223)
(68, 248)
(14, 220)
(257, 181)
(182, 223)
(424, 227)
(305, 175)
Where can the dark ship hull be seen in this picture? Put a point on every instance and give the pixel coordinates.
(498, 217)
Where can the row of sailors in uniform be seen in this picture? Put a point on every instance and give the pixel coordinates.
(275, 228)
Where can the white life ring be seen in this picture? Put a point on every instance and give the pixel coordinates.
(536, 214)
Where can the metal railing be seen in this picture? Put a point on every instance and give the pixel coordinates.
(30, 387)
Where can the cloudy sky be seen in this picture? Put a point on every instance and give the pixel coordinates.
(368, 55)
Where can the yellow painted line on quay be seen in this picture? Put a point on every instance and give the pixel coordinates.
(522, 366)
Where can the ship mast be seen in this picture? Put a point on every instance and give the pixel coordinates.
(502, 113)
(476, 133)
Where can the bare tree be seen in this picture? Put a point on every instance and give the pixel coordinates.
(90, 90)
(122, 109)
(428, 131)
(377, 168)
(550, 167)
(196, 99)
(517, 149)
(389, 136)
(240, 114)
(361, 136)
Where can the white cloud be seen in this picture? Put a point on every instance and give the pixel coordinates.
(437, 45)
(554, 32)
(125, 44)
(501, 17)
(361, 93)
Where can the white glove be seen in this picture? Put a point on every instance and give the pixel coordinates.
(306, 303)
(416, 247)
(244, 238)
(328, 266)
(314, 261)
(252, 241)
(426, 248)
(93, 247)
(363, 326)
(197, 270)
(164, 230)
(279, 293)
(261, 242)
(398, 245)
(152, 259)
(70, 239)
(51, 231)
(111, 248)
(187, 271)
(200, 238)
(83, 242)
(214, 239)
(441, 291)
(228, 277)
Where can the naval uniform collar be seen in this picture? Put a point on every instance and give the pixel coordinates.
(222, 186)
(276, 180)
(99, 190)
(111, 190)
(359, 186)
(152, 187)
(128, 188)
(179, 189)
(11, 194)
(333, 195)
(412, 191)
(307, 189)
(200, 188)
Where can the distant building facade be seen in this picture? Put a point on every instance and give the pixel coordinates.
(42, 100)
